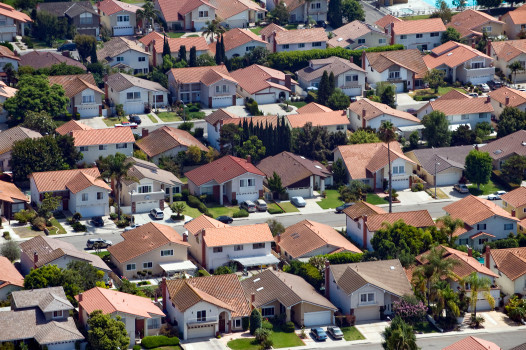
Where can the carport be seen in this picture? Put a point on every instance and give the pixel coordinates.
(251, 261)
(180, 266)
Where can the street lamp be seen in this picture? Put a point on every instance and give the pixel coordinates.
(436, 163)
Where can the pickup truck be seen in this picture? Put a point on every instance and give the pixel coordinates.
(462, 188)
(123, 124)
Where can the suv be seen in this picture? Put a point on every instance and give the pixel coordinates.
(248, 206)
(98, 243)
(134, 118)
(261, 205)
(462, 188)
(67, 47)
(97, 221)
(157, 214)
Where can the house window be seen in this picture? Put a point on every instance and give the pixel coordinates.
(349, 78)
(144, 188)
(249, 48)
(201, 316)
(476, 65)
(57, 314)
(464, 117)
(218, 249)
(315, 6)
(237, 323)
(258, 245)
(301, 45)
(203, 14)
(142, 59)
(340, 127)
(130, 267)
(159, 98)
(154, 323)
(394, 74)
(122, 145)
(482, 115)
(133, 95)
(84, 148)
(147, 265)
(482, 240)
(86, 18)
(315, 85)
(84, 197)
(481, 226)
(103, 147)
(247, 182)
(434, 34)
(367, 298)
(316, 44)
(508, 226)
(167, 252)
(359, 224)
(123, 18)
(100, 195)
(403, 37)
(88, 98)
(419, 36)
(238, 247)
(487, 29)
(382, 41)
(361, 41)
(120, 59)
(285, 47)
(399, 169)
(463, 241)
(267, 311)
(221, 88)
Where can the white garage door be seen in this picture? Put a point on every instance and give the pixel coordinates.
(200, 332)
(447, 179)
(247, 197)
(218, 102)
(62, 346)
(130, 108)
(145, 207)
(320, 318)
(122, 31)
(265, 98)
(400, 184)
(367, 313)
(88, 112)
(88, 212)
(480, 79)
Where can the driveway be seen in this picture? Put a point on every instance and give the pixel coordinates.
(408, 197)
(312, 207)
(405, 102)
(372, 331)
(203, 344)
(453, 195)
(275, 109)
(95, 122)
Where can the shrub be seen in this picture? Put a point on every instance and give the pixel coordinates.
(255, 321)
(6, 235)
(24, 216)
(267, 325)
(223, 270)
(122, 223)
(309, 273)
(156, 341)
(245, 322)
(202, 273)
(410, 309)
(113, 216)
(272, 210)
(178, 197)
(343, 258)
(516, 309)
(137, 347)
(262, 334)
(185, 194)
(242, 213)
(193, 201)
(202, 208)
(289, 327)
(234, 202)
(77, 216)
(78, 227)
(168, 330)
(39, 223)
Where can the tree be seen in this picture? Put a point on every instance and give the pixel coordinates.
(324, 89)
(178, 208)
(10, 74)
(478, 167)
(332, 83)
(387, 134)
(182, 53)
(116, 167)
(463, 136)
(85, 45)
(43, 277)
(352, 10)
(48, 27)
(40, 122)
(193, 154)
(70, 155)
(483, 42)
(193, 57)
(311, 142)
(446, 299)
(339, 173)
(449, 226)
(363, 136)
(48, 205)
(386, 92)
(274, 184)
(148, 14)
(106, 332)
(83, 274)
(229, 138)
(355, 191)
(334, 15)
(513, 168)
(515, 67)
(257, 56)
(275, 226)
(10, 250)
(399, 336)
(338, 100)
(255, 321)
(413, 139)
(279, 14)
(479, 284)
(510, 120)
(436, 129)
(489, 3)
(166, 47)
(443, 12)
(460, 4)
(213, 28)
(252, 147)
(205, 60)
(451, 34)
(435, 79)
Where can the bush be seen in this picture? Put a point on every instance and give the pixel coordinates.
(6, 235)
(78, 227)
(202, 207)
(255, 321)
(168, 330)
(309, 273)
(516, 309)
(343, 258)
(38, 223)
(262, 334)
(245, 322)
(193, 201)
(202, 273)
(410, 309)
(234, 202)
(267, 325)
(185, 194)
(199, 133)
(156, 341)
(272, 210)
(113, 216)
(24, 216)
(289, 327)
(178, 197)
(137, 347)
(242, 213)
(77, 216)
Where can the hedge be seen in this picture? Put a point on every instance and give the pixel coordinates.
(242, 213)
(343, 258)
(497, 176)
(296, 60)
(156, 341)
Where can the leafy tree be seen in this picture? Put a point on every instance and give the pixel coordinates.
(413, 139)
(478, 167)
(255, 321)
(106, 332)
(182, 53)
(279, 14)
(515, 67)
(229, 138)
(387, 134)
(449, 226)
(130, 288)
(257, 56)
(446, 299)
(334, 15)
(85, 275)
(70, 155)
(148, 14)
(436, 129)
(193, 57)
(213, 28)
(463, 136)
(338, 100)
(363, 136)
(483, 42)
(355, 191)
(510, 120)
(41, 122)
(460, 4)
(339, 173)
(85, 45)
(252, 147)
(60, 69)
(193, 153)
(513, 168)
(10, 73)
(48, 205)
(212, 154)
(275, 226)
(483, 129)
(443, 11)
(48, 27)
(10, 250)
(489, 3)
(386, 92)
(158, 76)
(352, 10)
(205, 60)
(479, 284)
(451, 34)
(435, 79)
(274, 184)
(311, 142)
(324, 89)
(399, 336)
(43, 277)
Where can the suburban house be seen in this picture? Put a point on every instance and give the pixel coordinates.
(135, 94)
(239, 42)
(514, 22)
(7, 56)
(213, 124)
(205, 306)
(70, 126)
(85, 98)
(124, 55)
(140, 315)
(81, 14)
(363, 220)
(403, 68)
(298, 40)
(514, 202)
(472, 342)
(461, 62)
(186, 14)
(500, 150)
(5, 93)
(10, 279)
(15, 23)
(276, 293)
(510, 266)
(505, 53)
(358, 35)
(348, 76)
(266, 34)
(264, 85)
(81, 190)
(368, 163)
(445, 164)
(483, 221)
(167, 142)
(460, 109)
(154, 42)
(96, 143)
(308, 238)
(153, 186)
(213, 86)
(8, 139)
(365, 113)
(12, 200)
(421, 34)
(227, 179)
(471, 24)
(313, 107)
(507, 97)
(118, 17)
(299, 176)
(153, 248)
(46, 59)
(300, 11)
(366, 290)
(386, 21)
(214, 244)
(335, 121)
(239, 13)
(40, 315)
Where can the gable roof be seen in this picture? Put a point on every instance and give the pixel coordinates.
(473, 343)
(121, 82)
(466, 21)
(45, 59)
(313, 107)
(5, 52)
(230, 235)
(219, 115)
(195, 226)
(408, 59)
(68, 127)
(514, 97)
(361, 208)
(262, 120)
(375, 109)
(61, 180)
(117, 46)
(70, 9)
(41, 298)
(505, 146)
(174, 43)
(9, 275)
(106, 136)
(222, 170)
(12, 135)
(318, 119)
(75, 84)
(166, 138)
(387, 19)
(174, 10)
(229, 8)
(256, 78)
(517, 16)
(306, 236)
(511, 261)
(9, 11)
(388, 275)
(301, 36)
(461, 105)
(143, 169)
(9, 193)
(516, 198)
(452, 54)
(427, 25)
(348, 34)
(236, 37)
(333, 64)
(509, 49)
(144, 239)
(272, 27)
(207, 75)
(448, 157)
(472, 210)
(222, 290)
(417, 218)
(7, 91)
(110, 7)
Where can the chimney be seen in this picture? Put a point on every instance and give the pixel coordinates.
(278, 241)
(185, 237)
(288, 81)
(487, 257)
(488, 48)
(470, 252)
(392, 33)
(249, 158)
(144, 132)
(364, 231)
(488, 99)
(203, 249)
(327, 278)
(252, 300)
(363, 59)
(513, 213)
(473, 45)
(164, 293)
(35, 259)
(80, 297)
(363, 118)
(507, 100)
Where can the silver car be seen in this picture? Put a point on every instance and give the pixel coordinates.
(298, 201)
(157, 214)
(248, 206)
(261, 205)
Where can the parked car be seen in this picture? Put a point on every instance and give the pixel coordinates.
(462, 188)
(494, 85)
(496, 196)
(298, 201)
(319, 334)
(67, 47)
(335, 332)
(98, 243)
(321, 24)
(342, 207)
(134, 118)
(261, 205)
(132, 227)
(248, 206)
(124, 124)
(97, 221)
(157, 214)
(225, 219)
(484, 87)
(473, 94)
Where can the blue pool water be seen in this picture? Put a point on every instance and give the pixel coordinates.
(406, 11)
(450, 3)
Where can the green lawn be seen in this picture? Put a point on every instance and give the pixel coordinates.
(59, 229)
(174, 35)
(424, 327)
(217, 210)
(189, 211)
(195, 115)
(153, 119)
(351, 333)
(111, 121)
(192, 36)
(176, 347)
(488, 188)
(284, 340)
(331, 200)
(288, 207)
(412, 18)
(273, 206)
(243, 344)
(256, 30)
(298, 104)
(373, 198)
(101, 254)
(168, 117)
(291, 26)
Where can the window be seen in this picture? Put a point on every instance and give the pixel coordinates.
(201, 316)
(463, 241)
(394, 74)
(222, 88)
(367, 298)
(359, 224)
(88, 98)
(349, 78)
(267, 311)
(122, 145)
(237, 323)
(508, 226)
(247, 183)
(482, 240)
(203, 14)
(142, 59)
(238, 247)
(167, 252)
(84, 197)
(315, 84)
(464, 116)
(218, 249)
(100, 195)
(103, 147)
(316, 44)
(340, 127)
(524, 210)
(249, 48)
(258, 245)
(147, 265)
(85, 18)
(84, 148)
(130, 267)
(399, 169)
(123, 18)
(482, 115)
(481, 226)
(434, 34)
(120, 59)
(2, 22)
(301, 45)
(419, 36)
(144, 188)
(487, 29)
(476, 65)
(154, 323)
(361, 41)
(382, 41)
(403, 37)
(57, 314)
(315, 6)
(285, 47)
(133, 95)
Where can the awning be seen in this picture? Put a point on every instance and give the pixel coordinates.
(180, 266)
(249, 261)
(410, 128)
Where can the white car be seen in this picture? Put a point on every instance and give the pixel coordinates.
(484, 87)
(496, 196)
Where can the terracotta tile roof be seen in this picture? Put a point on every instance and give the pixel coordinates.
(67, 8)
(306, 236)
(110, 301)
(146, 170)
(454, 95)
(375, 109)
(335, 65)
(418, 218)
(388, 275)
(262, 120)
(9, 193)
(479, 234)
(516, 198)
(82, 181)
(206, 75)
(269, 286)
(409, 59)
(350, 32)
(9, 275)
(318, 119)
(110, 7)
(120, 82)
(293, 4)
(228, 8)
(505, 146)
(516, 97)
(195, 226)
(511, 261)
(452, 54)
(102, 136)
(418, 26)
(52, 181)
(18, 133)
(473, 209)
(144, 239)
(313, 107)
(222, 170)
(272, 27)
(466, 21)
(361, 208)
(5, 52)
(70, 126)
(448, 157)
(174, 43)
(166, 138)
(387, 19)
(236, 37)
(369, 157)
(7, 91)
(9, 11)
(45, 59)
(451, 106)
(256, 78)
(117, 46)
(222, 290)
(230, 235)
(472, 343)
(518, 16)
(509, 49)
(219, 115)
(173, 10)
(74, 84)
(301, 36)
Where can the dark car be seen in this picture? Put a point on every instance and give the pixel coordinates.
(100, 243)
(342, 207)
(97, 221)
(321, 24)
(225, 219)
(335, 332)
(134, 118)
(318, 334)
(494, 85)
(67, 47)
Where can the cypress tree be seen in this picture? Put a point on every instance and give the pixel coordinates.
(223, 53)
(246, 132)
(334, 14)
(219, 52)
(324, 89)
(193, 57)
(332, 83)
(166, 47)
(251, 128)
(94, 53)
(182, 53)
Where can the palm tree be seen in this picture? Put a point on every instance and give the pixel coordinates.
(116, 167)
(399, 336)
(387, 134)
(479, 284)
(213, 28)
(515, 67)
(449, 226)
(446, 298)
(148, 13)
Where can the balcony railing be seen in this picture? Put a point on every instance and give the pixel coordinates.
(212, 319)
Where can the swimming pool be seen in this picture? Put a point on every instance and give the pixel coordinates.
(406, 11)
(450, 3)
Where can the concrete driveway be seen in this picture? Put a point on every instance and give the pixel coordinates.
(404, 102)
(372, 331)
(407, 197)
(311, 207)
(95, 122)
(453, 195)
(203, 344)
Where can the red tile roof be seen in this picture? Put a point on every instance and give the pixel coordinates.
(466, 21)
(75, 84)
(167, 138)
(236, 37)
(5, 52)
(173, 10)
(511, 261)
(231, 235)
(9, 275)
(472, 343)
(516, 198)
(419, 26)
(515, 97)
(9, 193)
(505, 146)
(451, 106)
(361, 208)
(409, 59)
(301, 36)
(313, 107)
(195, 226)
(222, 170)
(174, 43)
(318, 119)
(43, 59)
(206, 75)
(102, 136)
(60, 180)
(472, 209)
(9, 11)
(518, 16)
(452, 54)
(229, 8)
(272, 27)
(387, 19)
(256, 78)
(110, 7)
(375, 109)
(509, 49)
(418, 218)
(219, 115)
(262, 120)
(70, 126)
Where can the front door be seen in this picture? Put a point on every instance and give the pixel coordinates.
(222, 323)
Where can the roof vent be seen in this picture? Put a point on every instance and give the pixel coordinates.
(302, 157)
(259, 289)
(319, 167)
(523, 143)
(257, 280)
(340, 39)
(499, 151)
(449, 54)
(392, 267)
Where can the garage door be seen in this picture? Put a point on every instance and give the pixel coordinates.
(247, 197)
(480, 79)
(201, 331)
(448, 178)
(320, 318)
(218, 102)
(400, 184)
(89, 212)
(130, 108)
(367, 313)
(122, 31)
(265, 98)
(88, 112)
